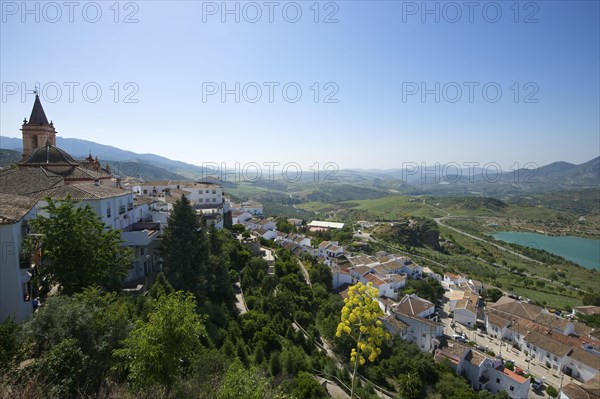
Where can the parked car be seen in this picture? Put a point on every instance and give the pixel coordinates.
(460, 338)
(537, 384)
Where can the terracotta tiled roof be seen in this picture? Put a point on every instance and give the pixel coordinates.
(23, 181)
(362, 270)
(412, 305)
(511, 374)
(585, 357)
(376, 281)
(497, 320)
(546, 343)
(587, 309)
(518, 308)
(452, 351)
(552, 321)
(394, 322)
(474, 357)
(84, 191)
(587, 390)
(14, 207)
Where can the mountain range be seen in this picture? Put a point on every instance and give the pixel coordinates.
(552, 177)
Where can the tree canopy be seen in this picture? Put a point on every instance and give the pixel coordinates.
(79, 250)
(155, 349)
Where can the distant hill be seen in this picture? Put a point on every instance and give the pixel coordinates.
(122, 162)
(356, 183)
(561, 174)
(11, 143)
(8, 157)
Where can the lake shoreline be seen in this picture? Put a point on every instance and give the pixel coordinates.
(582, 251)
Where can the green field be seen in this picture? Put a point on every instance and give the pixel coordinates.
(397, 206)
(317, 206)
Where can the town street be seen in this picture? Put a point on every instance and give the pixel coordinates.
(539, 370)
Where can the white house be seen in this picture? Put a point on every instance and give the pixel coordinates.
(430, 273)
(465, 310)
(491, 374)
(496, 325)
(15, 268)
(240, 217)
(581, 364)
(546, 350)
(340, 277)
(322, 250)
(451, 278)
(254, 208)
(298, 239)
(334, 251)
(421, 331)
(202, 194)
(266, 234)
(476, 286)
(386, 287)
(415, 306)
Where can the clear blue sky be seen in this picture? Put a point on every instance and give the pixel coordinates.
(374, 54)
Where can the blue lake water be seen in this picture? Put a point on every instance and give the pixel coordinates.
(583, 251)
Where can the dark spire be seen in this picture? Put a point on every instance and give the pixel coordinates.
(38, 116)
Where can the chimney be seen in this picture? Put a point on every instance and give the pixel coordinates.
(118, 182)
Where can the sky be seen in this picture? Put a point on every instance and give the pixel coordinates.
(360, 84)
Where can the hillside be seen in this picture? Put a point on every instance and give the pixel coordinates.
(351, 184)
(8, 157)
(123, 163)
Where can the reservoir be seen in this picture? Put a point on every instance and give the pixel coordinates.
(583, 251)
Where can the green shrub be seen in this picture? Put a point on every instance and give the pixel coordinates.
(552, 392)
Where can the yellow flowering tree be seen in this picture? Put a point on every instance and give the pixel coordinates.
(360, 320)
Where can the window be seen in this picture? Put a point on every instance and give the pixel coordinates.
(497, 380)
(206, 191)
(555, 358)
(145, 191)
(108, 212)
(214, 191)
(512, 388)
(121, 209)
(130, 206)
(214, 200)
(201, 200)
(547, 354)
(423, 335)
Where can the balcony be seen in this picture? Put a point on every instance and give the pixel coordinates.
(141, 233)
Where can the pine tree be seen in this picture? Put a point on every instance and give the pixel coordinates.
(161, 285)
(185, 249)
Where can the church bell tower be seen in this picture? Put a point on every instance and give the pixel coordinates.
(37, 132)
